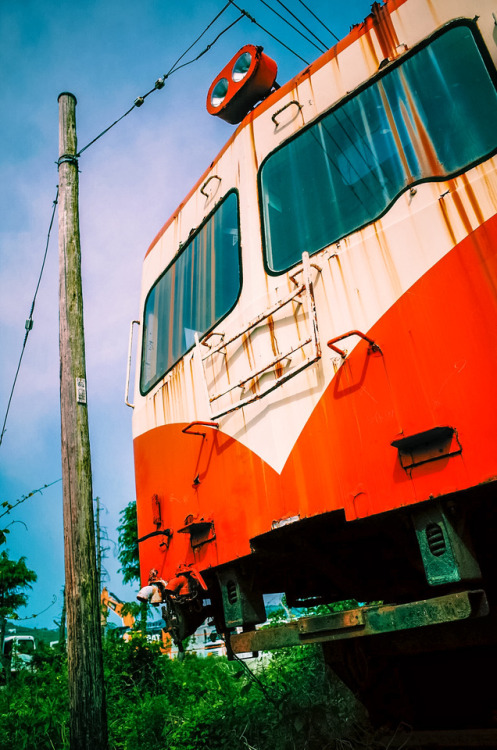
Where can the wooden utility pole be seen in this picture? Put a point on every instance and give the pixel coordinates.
(88, 720)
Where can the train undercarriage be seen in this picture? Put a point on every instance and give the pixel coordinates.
(416, 639)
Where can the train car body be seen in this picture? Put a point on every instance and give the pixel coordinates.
(315, 404)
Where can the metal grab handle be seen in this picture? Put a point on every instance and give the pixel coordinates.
(279, 111)
(210, 335)
(188, 431)
(212, 177)
(373, 347)
(128, 373)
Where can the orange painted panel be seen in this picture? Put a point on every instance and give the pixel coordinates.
(437, 368)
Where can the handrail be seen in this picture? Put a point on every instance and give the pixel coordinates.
(303, 294)
(279, 111)
(128, 372)
(188, 431)
(212, 177)
(373, 346)
(255, 321)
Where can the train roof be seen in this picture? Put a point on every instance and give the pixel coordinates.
(378, 19)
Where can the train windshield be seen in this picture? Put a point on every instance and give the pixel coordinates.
(198, 289)
(429, 117)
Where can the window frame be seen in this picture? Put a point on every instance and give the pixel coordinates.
(182, 248)
(372, 81)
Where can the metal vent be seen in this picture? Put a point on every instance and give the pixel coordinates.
(436, 540)
(231, 592)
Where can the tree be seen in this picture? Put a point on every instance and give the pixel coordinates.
(15, 577)
(128, 553)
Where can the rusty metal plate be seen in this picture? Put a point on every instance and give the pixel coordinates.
(365, 621)
(431, 445)
(352, 618)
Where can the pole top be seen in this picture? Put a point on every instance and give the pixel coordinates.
(67, 93)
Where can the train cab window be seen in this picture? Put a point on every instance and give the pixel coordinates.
(431, 116)
(195, 292)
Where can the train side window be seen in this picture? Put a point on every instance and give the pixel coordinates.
(195, 292)
(431, 116)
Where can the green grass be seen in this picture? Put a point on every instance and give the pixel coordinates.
(154, 703)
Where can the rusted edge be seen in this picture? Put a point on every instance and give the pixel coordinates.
(364, 621)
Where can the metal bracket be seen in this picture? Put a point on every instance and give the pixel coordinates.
(212, 177)
(279, 111)
(188, 431)
(200, 530)
(165, 532)
(373, 346)
(365, 621)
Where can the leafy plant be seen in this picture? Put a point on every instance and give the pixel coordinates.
(15, 577)
(285, 701)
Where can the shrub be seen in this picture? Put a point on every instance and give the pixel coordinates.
(155, 703)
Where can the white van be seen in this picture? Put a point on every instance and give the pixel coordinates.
(19, 649)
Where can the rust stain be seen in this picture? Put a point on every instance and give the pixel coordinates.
(367, 45)
(445, 215)
(295, 310)
(312, 91)
(163, 404)
(473, 199)
(226, 366)
(425, 150)
(247, 347)
(252, 141)
(385, 31)
(395, 133)
(387, 257)
(274, 346)
(433, 12)
(489, 182)
(459, 205)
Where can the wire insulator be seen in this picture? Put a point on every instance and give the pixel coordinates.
(139, 101)
(160, 83)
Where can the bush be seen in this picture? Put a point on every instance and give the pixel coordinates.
(155, 703)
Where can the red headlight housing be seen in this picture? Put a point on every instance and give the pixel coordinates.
(246, 79)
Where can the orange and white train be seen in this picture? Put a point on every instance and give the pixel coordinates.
(315, 406)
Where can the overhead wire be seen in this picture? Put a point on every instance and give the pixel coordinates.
(137, 103)
(289, 23)
(160, 82)
(207, 48)
(198, 38)
(266, 31)
(319, 20)
(323, 44)
(29, 321)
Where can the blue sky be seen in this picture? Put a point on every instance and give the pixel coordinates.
(107, 53)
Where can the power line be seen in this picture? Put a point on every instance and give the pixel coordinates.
(198, 38)
(320, 49)
(160, 82)
(319, 20)
(29, 321)
(207, 48)
(251, 18)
